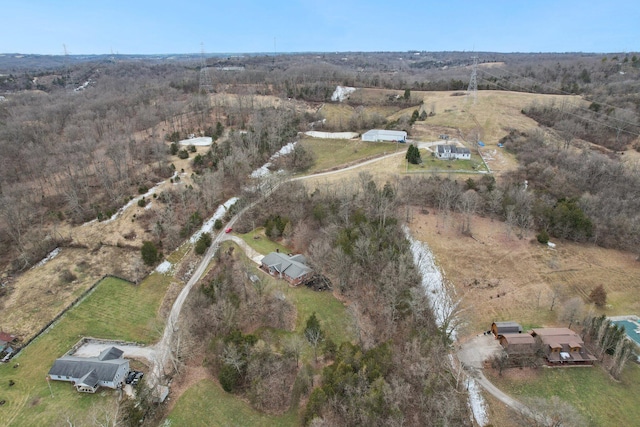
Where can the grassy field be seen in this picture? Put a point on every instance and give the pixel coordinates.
(602, 401)
(330, 311)
(331, 153)
(432, 164)
(207, 405)
(497, 276)
(262, 244)
(116, 309)
(177, 255)
(332, 314)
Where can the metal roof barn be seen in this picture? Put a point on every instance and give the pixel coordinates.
(375, 135)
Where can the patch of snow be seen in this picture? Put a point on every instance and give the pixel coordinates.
(264, 169)
(164, 267)
(433, 282)
(332, 135)
(342, 92)
(477, 403)
(83, 86)
(442, 306)
(202, 141)
(135, 200)
(208, 225)
(51, 255)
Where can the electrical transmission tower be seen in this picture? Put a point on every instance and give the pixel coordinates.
(67, 70)
(206, 85)
(472, 90)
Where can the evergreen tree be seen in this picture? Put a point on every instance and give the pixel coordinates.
(413, 155)
(149, 253)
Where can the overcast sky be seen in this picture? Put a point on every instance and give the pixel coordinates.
(162, 26)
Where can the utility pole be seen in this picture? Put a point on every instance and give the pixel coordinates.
(67, 77)
(472, 90)
(205, 80)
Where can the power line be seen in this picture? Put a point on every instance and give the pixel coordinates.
(577, 107)
(473, 82)
(206, 85)
(575, 115)
(562, 92)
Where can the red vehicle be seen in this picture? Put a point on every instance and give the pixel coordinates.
(228, 230)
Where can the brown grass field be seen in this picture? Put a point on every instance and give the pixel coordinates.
(39, 294)
(497, 276)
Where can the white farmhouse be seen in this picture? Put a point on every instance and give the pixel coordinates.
(376, 135)
(453, 152)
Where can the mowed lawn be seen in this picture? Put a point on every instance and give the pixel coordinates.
(332, 314)
(601, 400)
(261, 243)
(115, 310)
(431, 164)
(331, 153)
(207, 405)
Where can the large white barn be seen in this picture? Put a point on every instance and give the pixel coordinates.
(376, 135)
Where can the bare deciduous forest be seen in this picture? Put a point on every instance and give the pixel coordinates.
(80, 139)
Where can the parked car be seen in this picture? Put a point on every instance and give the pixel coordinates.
(228, 230)
(136, 379)
(130, 376)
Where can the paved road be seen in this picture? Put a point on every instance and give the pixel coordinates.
(164, 346)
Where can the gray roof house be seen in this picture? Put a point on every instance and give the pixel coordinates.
(109, 369)
(293, 269)
(452, 152)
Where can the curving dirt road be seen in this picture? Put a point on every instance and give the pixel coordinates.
(472, 354)
(365, 163)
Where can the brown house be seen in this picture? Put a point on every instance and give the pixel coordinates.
(518, 343)
(562, 346)
(293, 269)
(501, 328)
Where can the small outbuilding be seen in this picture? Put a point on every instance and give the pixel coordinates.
(501, 328)
(378, 135)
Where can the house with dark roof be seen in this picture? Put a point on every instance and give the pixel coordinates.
(501, 328)
(87, 374)
(452, 152)
(562, 346)
(293, 269)
(5, 345)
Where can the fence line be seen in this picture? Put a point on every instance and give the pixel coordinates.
(74, 303)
